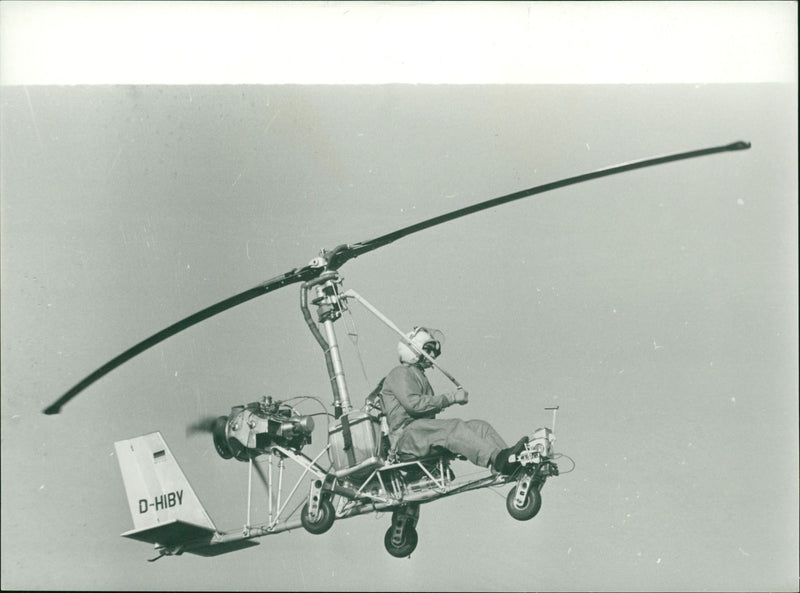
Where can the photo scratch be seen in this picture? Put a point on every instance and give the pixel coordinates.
(33, 117)
(116, 159)
(269, 125)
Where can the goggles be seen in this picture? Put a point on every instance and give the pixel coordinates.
(433, 349)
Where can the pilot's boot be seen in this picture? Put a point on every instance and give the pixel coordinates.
(502, 463)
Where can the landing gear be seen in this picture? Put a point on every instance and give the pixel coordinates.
(402, 546)
(524, 500)
(318, 513)
(323, 520)
(401, 538)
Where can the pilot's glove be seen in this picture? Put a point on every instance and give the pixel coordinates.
(460, 397)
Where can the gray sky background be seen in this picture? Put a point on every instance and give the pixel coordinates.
(657, 308)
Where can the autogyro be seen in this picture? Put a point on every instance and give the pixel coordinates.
(365, 474)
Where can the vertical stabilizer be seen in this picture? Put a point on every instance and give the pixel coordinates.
(158, 492)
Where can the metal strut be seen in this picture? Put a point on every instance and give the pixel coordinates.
(391, 325)
(328, 312)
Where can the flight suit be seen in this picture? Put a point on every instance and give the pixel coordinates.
(411, 406)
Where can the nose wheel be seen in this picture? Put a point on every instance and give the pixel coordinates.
(524, 500)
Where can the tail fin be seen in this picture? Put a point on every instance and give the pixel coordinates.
(165, 509)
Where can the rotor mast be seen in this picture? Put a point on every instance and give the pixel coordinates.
(330, 305)
(331, 301)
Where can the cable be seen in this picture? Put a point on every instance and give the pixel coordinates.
(559, 456)
(316, 399)
(353, 335)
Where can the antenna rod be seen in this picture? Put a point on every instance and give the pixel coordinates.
(553, 426)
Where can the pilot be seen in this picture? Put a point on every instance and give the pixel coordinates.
(411, 407)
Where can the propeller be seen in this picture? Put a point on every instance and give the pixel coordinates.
(204, 425)
(337, 257)
(260, 472)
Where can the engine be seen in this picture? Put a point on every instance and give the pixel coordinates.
(251, 430)
(542, 442)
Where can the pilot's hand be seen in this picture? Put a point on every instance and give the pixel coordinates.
(461, 396)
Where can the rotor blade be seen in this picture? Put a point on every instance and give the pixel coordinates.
(296, 275)
(343, 253)
(347, 252)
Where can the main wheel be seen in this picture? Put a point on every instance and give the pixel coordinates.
(408, 542)
(529, 508)
(325, 517)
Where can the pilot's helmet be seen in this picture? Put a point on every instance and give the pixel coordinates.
(422, 338)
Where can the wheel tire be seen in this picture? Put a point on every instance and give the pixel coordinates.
(531, 506)
(408, 545)
(325, 517)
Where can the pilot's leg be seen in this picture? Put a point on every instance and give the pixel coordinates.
(501, 460)
(452, 434)
(487, 431)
